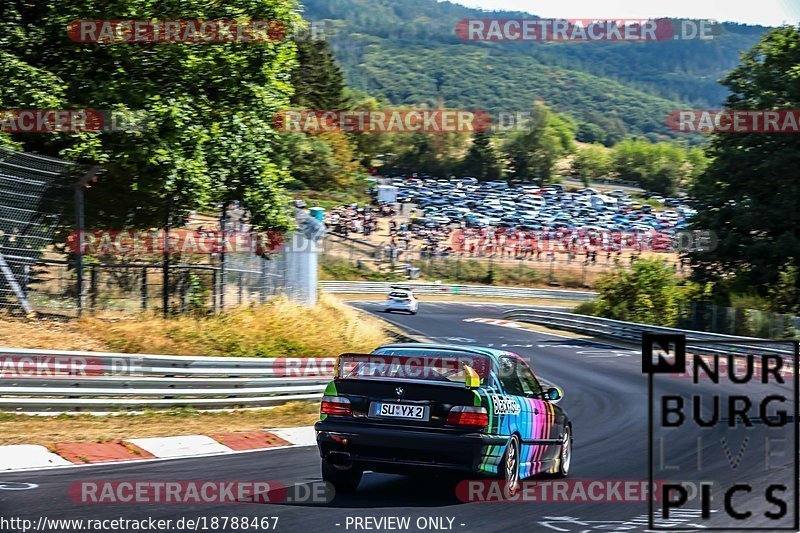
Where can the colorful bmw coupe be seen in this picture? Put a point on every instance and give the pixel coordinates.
(409, 408)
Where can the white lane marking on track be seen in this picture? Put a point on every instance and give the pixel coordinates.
(465, 340)
(608, 353)
(13, 485)
(504, 345)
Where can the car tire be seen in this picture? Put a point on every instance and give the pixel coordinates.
(565, 455)
(344, 480)
(508, 470)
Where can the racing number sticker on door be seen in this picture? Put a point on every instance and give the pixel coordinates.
(505, 405)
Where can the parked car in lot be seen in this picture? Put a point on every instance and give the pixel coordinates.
(428, 408)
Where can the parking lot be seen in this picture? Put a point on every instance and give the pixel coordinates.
(528, 207)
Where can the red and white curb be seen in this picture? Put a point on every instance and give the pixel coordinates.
(29, 456)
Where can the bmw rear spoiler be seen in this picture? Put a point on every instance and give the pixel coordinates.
(416, 366)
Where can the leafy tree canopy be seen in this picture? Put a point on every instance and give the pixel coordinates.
(204, 131)
(748, 194)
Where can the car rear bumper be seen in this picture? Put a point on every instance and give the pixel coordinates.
(400, 307)
(385, 449)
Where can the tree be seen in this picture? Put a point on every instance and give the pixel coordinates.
(749, 192)
(785, 295)
(205, 134)
(649, 293)
(369, 145)
(534, 149)
(658, 167)
(317, 78)
(322, 161)
(482, 161)
(591, 161)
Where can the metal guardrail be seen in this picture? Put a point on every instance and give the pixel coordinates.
(631, 332)
(54, 381)
(381, 287)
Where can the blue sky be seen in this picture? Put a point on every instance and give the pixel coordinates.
(766, 12)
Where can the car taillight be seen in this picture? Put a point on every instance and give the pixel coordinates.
(464, 416)
(336, 405)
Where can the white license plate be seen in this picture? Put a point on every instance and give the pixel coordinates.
(400, 410)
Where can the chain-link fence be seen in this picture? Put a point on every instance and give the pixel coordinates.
(553, 267)
(56, 256)
(700, 316)
(119, 288)
(36, 195)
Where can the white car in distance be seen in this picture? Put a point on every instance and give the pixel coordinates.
(401, 300)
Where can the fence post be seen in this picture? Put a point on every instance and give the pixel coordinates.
(241, 287)
(79, 228)
(714, 317)
(144, 289)
(263, 291)
(93, 288)
(165, 266)
(223, 228)
(184, 289)
(214, 289)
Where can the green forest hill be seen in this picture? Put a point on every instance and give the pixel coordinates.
(407, 51)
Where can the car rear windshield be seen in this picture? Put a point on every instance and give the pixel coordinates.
(399, 294)
(411, 363)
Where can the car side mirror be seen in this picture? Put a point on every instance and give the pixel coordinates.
(553, 395)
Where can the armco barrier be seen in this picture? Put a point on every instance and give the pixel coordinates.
(382, 287)
(631, 332)
(54, 381)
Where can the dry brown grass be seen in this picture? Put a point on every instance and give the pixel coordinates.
(48, 334)
(25, 429)
(277, 329)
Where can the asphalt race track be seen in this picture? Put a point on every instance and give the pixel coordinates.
(605, 395)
